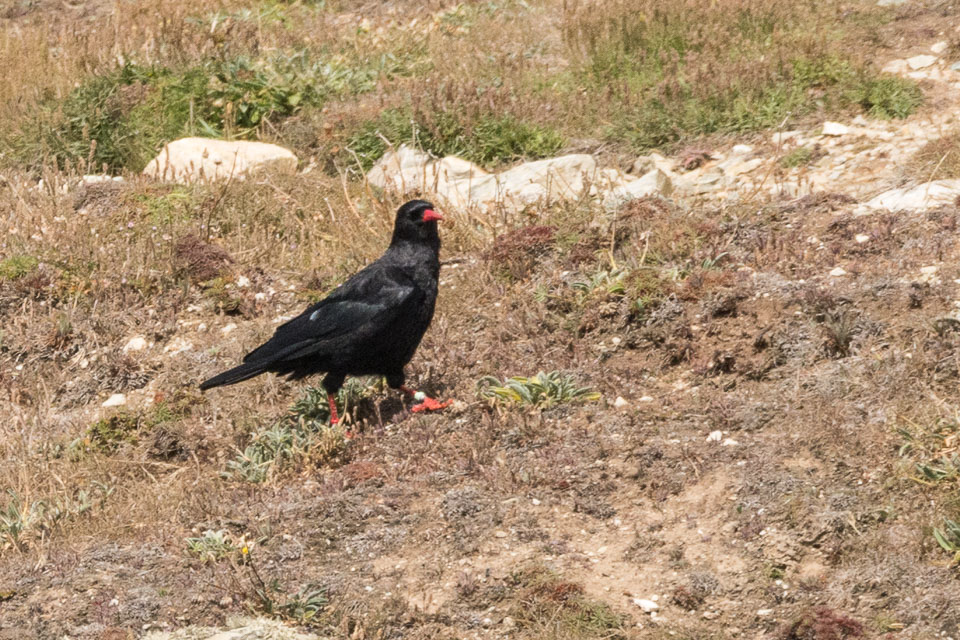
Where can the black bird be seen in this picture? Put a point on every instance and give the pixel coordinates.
(369, 325)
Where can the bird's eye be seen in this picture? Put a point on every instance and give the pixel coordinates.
(415, 215)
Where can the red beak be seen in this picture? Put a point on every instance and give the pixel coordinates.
(430, 214)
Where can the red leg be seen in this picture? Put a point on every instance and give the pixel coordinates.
(426, 403)
(332, 401)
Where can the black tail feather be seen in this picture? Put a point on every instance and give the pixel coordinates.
(237, 374)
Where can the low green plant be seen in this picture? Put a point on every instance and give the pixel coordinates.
(949, 538)
(490, 141)
(541, 390)
(22, 520)
(304, 605)
(304, 430)
(17, 266)
(888, 96)
(119, 119)
(797, 158)
(212, 546)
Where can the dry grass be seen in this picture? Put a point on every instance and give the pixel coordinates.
(697, 318)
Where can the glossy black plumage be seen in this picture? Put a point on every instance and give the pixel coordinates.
(370, 325)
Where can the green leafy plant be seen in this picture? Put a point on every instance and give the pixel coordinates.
(304, 430)
(541, 390)
(489, 141)
(949, 538)
(18, 266)
(213, 546)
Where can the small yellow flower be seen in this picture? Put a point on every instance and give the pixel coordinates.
(245, 550)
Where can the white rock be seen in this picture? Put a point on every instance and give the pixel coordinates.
(243, 281)
(116, 400)
(460, 183)
(939, 47)
(100, 177)
(715, 436)
(919, 198)
(206, 159)
(835, 129)
(729, 442)
(646, 399)
(178, 345)
(861, 238)
(228, 328)
(921, 61)
(764, 612)
(655, 182)
(898, 66)
(742, 149)
(136, 343)
(648, 606)
(838, 272)
(891, 3)
(620, 403)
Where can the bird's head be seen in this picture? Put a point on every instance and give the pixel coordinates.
(417, 221)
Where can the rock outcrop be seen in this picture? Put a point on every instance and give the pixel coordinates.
(206, 159)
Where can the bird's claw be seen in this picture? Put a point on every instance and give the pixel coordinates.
(429, 404)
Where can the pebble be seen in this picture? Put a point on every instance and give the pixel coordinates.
(835, 129)
(838, 272)
(648, 606)
(861, 238)
(500, 534)
(509, 623)
(764, 612)
(939, 47)
(228, 328)
(646, 398)
(243, 281)
(116, 400)
(620, 403)
(921, 61)
(742, 149)
(715, 436)
(137, 343)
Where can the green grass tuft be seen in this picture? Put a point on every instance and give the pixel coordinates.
(490, 141)
(16, 267)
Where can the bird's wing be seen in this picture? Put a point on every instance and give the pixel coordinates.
(360, 306)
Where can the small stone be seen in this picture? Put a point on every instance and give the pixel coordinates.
(729, 442)
(500, 534)
(243, 281)
(921, 61)
(646, 398)
(838, 272)
(535, 502)
(742, 149)
(764, 612)
(897, 66)
(835, 129)
(648, 606)
(487, 622)
(509, 623)
(939, 47)
(715, 436)
(620, 403)
(116, 400)
(228, 328)
(861, 238)
(136, 343)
